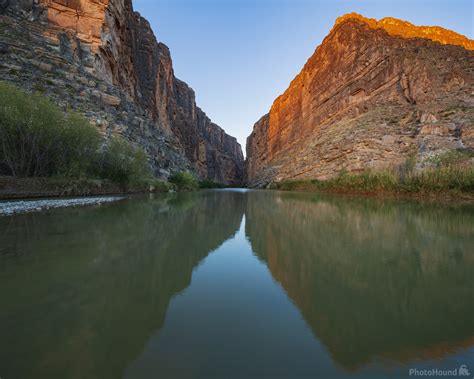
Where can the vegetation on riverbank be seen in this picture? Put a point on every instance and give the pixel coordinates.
(211, 184)
(39, 140)
(438, 180)
(62, 154)
(186, 181)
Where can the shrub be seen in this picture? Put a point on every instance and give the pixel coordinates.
(208, 183)
(77, 148)
(123, 163)
(451, 158)
(184, 181)
(37, 139)
(156, 185)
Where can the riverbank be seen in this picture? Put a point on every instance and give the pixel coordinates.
(442, 196)
(10, 208)
(32, 188)
(12, 188)
(451, 184)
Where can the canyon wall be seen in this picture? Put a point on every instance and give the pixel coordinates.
(373, 95)
(102, 58)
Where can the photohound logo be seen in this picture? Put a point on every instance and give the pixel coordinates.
(461, 371)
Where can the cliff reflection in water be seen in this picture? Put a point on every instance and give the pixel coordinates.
(90, 292)
(373, 279)
(83, 289)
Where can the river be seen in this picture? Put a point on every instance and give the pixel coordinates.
(238, 284)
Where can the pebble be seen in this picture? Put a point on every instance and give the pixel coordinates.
(9, 208)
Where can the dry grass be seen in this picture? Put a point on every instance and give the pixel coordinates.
(455, 179)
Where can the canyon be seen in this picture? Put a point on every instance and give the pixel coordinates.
(102, 59)
(375, 95)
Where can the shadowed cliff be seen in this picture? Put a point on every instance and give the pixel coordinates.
(102, 59)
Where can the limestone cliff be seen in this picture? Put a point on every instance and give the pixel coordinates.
(102, 58)
(374, 94)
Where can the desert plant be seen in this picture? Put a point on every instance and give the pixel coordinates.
(184, 181)
(123, 163)
(77, 149)
(37, 139)
(451, 157)
(209, 183)
(156, 185)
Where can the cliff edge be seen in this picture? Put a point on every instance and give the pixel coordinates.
(102, 59)
(373, 95)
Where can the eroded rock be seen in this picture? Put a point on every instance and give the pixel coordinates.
(373, 94)
(104, 44)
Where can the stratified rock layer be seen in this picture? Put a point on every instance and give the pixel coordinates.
(374, 94)
(102, 58)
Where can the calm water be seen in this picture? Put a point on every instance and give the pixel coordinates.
(225, 284)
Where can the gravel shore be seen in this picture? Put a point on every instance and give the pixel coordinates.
(9, 208)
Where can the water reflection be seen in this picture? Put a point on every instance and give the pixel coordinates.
(90, 292)
(372, 278)
(82, 289)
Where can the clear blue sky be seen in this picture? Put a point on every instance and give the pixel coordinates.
(239, 55)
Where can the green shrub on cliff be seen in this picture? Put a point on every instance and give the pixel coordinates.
(184, 181)
(123, 163)
(209, 183)
(37, 139)
(78, 147)
(157, 185)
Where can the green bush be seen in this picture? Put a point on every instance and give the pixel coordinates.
(78, 147)
(208, 183)
(37, 139)
(184, 181)
(156, 185)
(451, 157)
(123, 163)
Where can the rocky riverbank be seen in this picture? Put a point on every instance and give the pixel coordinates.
(10, 208)
(13, 188)
(26, 188)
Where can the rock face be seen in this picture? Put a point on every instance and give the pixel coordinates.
(120, 75)
(374, 94)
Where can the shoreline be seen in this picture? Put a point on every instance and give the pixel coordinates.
(450, 183)
(12, 189)
(31, 189)
(17, 207)
(36, 196)
(442, 196)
